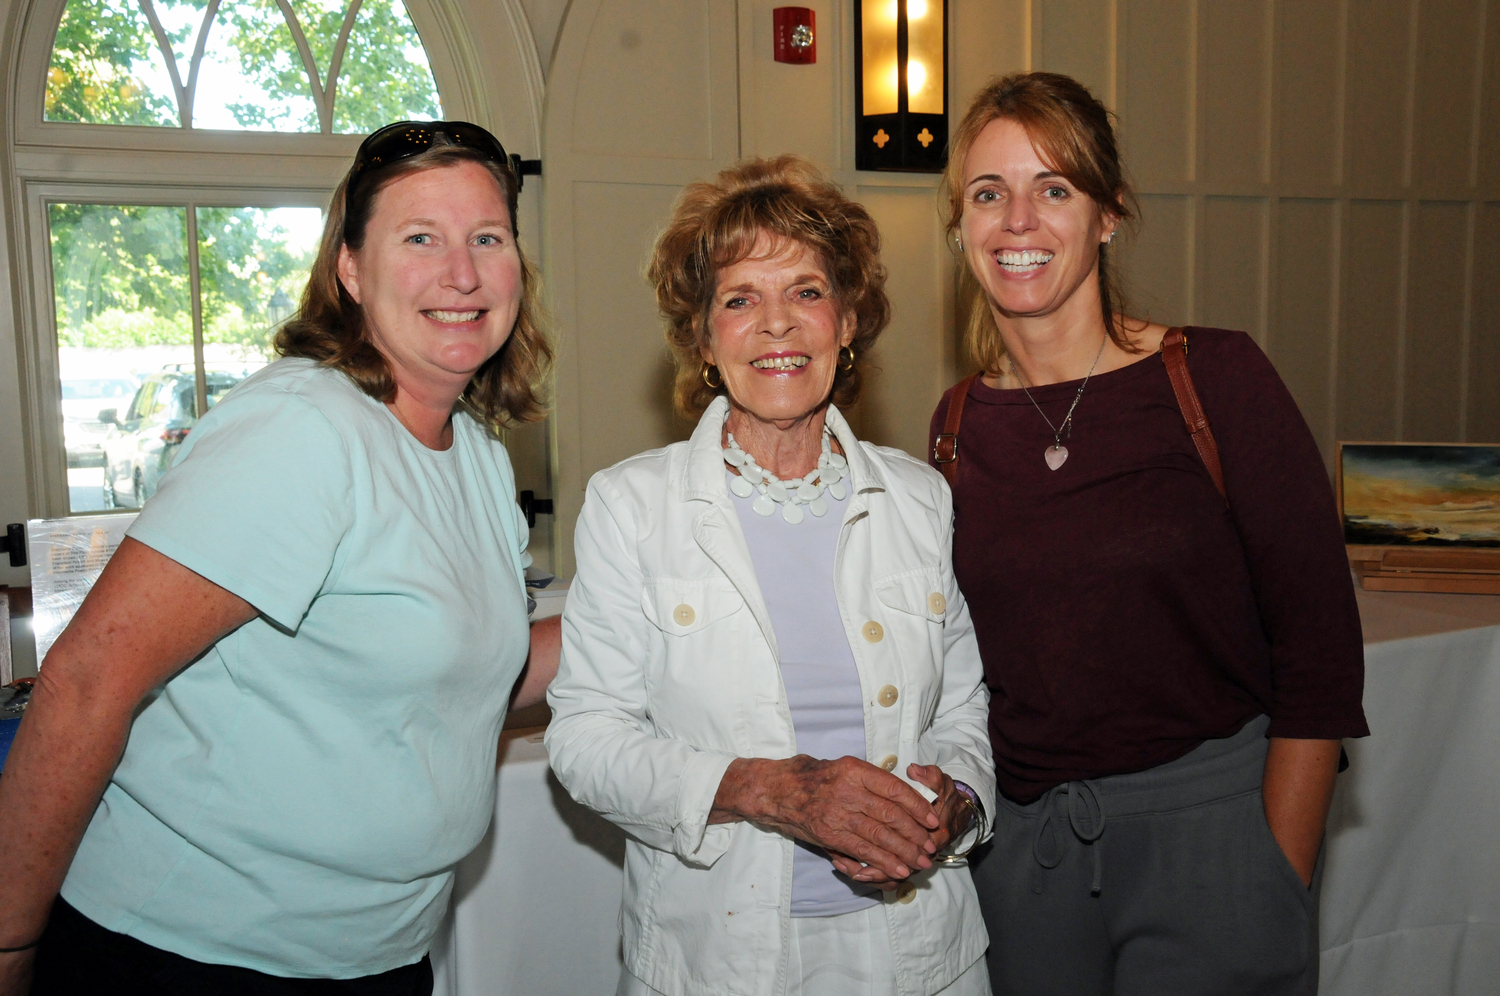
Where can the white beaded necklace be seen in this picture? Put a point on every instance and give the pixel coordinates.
(828, 476)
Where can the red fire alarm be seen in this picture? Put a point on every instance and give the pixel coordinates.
(796, 41)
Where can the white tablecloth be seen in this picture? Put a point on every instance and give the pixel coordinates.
(536, 906)
(1411, 893)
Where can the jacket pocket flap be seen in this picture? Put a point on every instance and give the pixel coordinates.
(680, 608)
(919, 592)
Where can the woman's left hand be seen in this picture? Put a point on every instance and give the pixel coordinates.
(953, 811)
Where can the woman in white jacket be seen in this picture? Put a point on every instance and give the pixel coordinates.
(769, 677)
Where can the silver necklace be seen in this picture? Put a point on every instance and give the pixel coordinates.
(827, 476)
(1057, 453)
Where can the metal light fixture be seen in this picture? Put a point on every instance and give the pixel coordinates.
(901, 85)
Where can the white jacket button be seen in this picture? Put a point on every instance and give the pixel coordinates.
(906, 892)
(889, 764)
(887, 696)
(937, 603)
(684, 614)
(873, 631)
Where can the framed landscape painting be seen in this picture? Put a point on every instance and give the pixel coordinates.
(1432, 495)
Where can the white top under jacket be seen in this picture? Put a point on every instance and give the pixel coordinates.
(670, 671)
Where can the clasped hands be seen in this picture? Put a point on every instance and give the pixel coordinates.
(876, 828)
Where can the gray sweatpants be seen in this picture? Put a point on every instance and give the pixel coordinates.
(1167, 881)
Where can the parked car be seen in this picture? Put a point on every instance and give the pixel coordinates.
(82, 398)
(140, 445)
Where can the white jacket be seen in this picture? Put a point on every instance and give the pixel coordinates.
(669, 671)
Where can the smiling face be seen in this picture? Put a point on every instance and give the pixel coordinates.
(1031, 238)
(438, 277)
(774, 331)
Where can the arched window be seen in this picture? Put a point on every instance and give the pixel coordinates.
(327, 66)
(175, 160)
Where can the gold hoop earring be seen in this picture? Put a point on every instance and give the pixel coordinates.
(842, 364)
(708, 383)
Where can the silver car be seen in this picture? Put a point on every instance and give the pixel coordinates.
(140, 445)
(82, 399)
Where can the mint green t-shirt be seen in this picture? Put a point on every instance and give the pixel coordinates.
(295, 800)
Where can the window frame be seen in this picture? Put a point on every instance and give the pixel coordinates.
(41, 376)
(67, 162)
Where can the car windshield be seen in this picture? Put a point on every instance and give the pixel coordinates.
(218, 386)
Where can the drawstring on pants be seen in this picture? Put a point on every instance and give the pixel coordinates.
(1085, 817)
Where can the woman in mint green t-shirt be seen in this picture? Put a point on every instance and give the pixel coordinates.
(311, 634)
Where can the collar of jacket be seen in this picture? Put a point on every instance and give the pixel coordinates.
(717, 530)
(701, 477)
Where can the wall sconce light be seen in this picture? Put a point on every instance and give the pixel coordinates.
(796, 38)
(901, 85)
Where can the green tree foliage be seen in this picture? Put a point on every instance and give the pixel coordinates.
(103, 50)
(268, 59)
(109, 262)
(120, 275)
(385, 76)
(251, 277)
(105, 57)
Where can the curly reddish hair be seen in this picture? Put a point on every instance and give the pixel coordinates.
(715, 225)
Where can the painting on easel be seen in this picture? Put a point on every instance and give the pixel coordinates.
(1430, 495)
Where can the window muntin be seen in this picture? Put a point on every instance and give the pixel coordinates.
(126, 279)
(257, 65)
(252, 77)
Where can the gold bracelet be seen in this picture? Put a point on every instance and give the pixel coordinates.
(979, 824)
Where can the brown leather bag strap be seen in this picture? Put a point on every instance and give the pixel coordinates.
(1174, 356)
(945, 447)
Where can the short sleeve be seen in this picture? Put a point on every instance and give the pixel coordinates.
(257, 501)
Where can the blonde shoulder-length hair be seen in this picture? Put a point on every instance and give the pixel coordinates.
(330, 328)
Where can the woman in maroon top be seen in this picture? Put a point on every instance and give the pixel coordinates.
(1170, 672)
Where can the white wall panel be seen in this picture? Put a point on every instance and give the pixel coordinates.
(1302, 337)
(1446, 91)
(1371, 326)
(1234, 83)
(1306, 79)
(1320, 174)
(1157, 260)
(1157, 96)
(1483, 422)
(1233, 269)
(1432, 374)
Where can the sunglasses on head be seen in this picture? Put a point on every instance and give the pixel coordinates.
(405, 139)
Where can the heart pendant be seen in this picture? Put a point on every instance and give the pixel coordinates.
(1055, 456)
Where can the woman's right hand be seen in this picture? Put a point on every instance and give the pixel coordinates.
(847, 807)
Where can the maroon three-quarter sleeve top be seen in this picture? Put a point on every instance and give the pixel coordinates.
(1125, 613)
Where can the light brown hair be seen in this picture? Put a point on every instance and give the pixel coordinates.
(330, 327)
(716, 224)
(1073, 134)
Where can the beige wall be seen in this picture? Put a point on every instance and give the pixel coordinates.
(643, 97)
(1323, 174)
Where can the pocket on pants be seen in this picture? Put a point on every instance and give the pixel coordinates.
(1277, 859)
